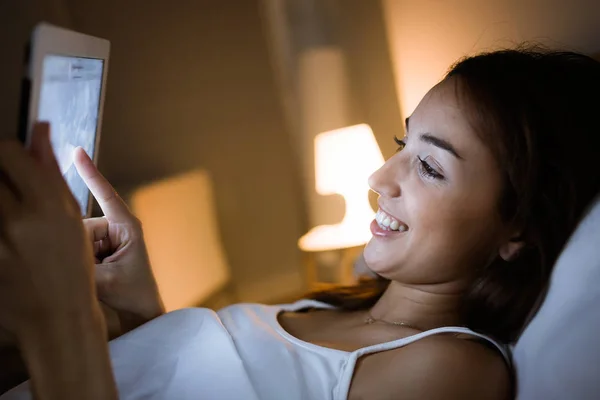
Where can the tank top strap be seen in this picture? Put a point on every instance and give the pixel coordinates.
(303, 304)
(446, 329)
(341, 390)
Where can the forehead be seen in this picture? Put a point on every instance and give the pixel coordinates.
(444, 113)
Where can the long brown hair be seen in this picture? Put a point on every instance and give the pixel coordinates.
(538, 112)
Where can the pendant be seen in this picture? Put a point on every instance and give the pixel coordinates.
(369, 320)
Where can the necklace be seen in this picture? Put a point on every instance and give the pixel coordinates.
(370, 320)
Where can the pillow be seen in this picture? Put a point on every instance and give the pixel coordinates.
(558, 354)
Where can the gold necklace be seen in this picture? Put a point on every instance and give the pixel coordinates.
(370, 320)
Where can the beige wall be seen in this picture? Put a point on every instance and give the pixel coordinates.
(427, 36)
(364, 37)
(332, 63)
(189, 86)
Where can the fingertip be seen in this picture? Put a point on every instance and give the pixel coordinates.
(41, 131)
(79, 152)
(43, 125)
(40, 145)
(80, 156)
(84, 165)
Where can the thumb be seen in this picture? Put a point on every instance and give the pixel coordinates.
(41, 147)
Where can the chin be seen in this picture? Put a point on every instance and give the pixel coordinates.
(377, 258)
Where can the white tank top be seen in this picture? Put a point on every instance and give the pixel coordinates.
(239, 353)
(313, 371)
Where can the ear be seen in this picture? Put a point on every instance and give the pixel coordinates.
(510, 250)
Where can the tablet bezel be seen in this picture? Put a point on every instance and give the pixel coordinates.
(48, 39)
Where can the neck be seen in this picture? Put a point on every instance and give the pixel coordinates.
(425, 307)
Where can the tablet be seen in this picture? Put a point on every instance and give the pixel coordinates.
(64, 84)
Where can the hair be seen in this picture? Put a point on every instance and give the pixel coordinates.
(538, 112)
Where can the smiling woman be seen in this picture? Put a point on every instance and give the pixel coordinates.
(496, 170)
(489, 181)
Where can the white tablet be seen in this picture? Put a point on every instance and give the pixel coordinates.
(64, 84)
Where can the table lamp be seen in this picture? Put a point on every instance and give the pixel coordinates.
(344, 160)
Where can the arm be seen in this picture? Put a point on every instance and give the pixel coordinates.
(13, 370)
(435, 368)
(46, 264)
(68, 359)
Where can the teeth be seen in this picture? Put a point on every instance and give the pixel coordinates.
(389, 223)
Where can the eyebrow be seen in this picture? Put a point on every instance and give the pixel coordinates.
(436, 141)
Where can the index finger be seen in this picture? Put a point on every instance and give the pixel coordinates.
(113, 207)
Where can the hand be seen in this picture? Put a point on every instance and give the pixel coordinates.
(46, 261)
(124, 278)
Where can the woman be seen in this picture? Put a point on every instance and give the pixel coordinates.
(497, 166)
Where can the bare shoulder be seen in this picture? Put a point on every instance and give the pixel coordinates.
(438, 367)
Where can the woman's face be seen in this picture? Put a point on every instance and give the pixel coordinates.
(440, 195)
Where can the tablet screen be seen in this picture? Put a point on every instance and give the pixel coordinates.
(69, 100)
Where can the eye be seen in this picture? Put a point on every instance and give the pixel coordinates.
(401, 143)
(428, 171)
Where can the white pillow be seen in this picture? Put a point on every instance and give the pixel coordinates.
(558, 354)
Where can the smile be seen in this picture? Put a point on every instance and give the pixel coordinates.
(389, 223)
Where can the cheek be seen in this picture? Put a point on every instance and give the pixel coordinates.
(426, 209)
(456, 231)
(450, 235)
(450, 232)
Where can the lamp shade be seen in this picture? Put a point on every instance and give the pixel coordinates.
(344, 160)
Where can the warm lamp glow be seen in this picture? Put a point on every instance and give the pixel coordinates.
(344, 160)
(181, 232)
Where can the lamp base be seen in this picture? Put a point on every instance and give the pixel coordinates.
(326, 269)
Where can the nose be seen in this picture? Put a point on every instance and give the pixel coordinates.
(385, 181)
